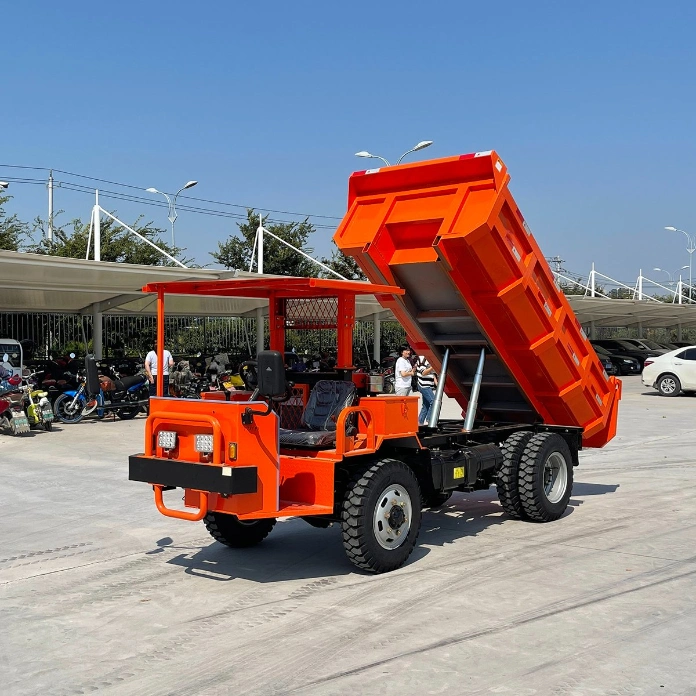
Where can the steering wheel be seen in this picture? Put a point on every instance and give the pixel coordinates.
(247, 371)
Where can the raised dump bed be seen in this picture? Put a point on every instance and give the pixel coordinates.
(449, 232)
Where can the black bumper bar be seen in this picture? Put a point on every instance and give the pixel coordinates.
(201, 477)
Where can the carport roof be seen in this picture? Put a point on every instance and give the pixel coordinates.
(39, 283)
(647, 313)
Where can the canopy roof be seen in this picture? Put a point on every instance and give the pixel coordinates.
(38, 283)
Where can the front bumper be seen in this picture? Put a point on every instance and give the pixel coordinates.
(228, 480)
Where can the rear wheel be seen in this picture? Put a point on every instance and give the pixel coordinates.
(507, 476)
(128, 412)
(48, 425)
(546, 477)
(381, 516)
(235, 533)
(669, 385)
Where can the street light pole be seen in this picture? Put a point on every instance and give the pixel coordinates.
(171, 204)
(691, 247)
(420, 146)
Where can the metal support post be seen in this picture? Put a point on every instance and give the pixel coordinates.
(474, 394)
(97, 331)
(679, 332)
(259, 330)
(377, 346)
(97, 228)
(640, 284)
(437, 403)
(593, 330)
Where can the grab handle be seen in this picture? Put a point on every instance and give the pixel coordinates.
(181, 514)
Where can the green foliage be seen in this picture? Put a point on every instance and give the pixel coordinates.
(344, 265)
(12, 229)
(117, 243)
(278, 259)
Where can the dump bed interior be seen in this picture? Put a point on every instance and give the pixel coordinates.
(449, 232)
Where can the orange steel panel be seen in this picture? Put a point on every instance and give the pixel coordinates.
(450, 233)
(257, 445)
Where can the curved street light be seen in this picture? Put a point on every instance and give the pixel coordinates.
(671, 275)
(420, 146)
(171, 203)
(691, 247)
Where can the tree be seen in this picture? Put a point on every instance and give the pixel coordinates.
(12, 229)
(278, 259)
(344, 265)
(117, 243)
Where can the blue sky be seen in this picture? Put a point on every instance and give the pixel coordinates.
(591, 106)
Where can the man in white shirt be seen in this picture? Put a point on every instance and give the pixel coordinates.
(403, 372)
(151, 370)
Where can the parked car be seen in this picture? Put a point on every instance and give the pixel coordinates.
(607, 363)
(648, 345)
(621, 347)
(672, 372)
(622, 364)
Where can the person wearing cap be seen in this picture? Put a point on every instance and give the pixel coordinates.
(403, 372)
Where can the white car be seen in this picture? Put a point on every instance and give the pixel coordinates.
(672, 372)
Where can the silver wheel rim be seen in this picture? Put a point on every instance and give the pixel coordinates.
(392, 518)
(555, 477)
(668, 385)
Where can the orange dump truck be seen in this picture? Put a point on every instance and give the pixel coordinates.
(447, 250)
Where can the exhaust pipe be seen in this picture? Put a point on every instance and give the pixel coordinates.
(474, 395)
(441, 379)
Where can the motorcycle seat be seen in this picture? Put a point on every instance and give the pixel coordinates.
(127, 382)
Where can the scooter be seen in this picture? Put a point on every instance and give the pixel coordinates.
(36, 404)
(12, 415)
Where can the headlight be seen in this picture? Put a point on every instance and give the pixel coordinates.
(166, 439)
(204, 443)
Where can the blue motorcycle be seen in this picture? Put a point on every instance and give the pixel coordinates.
(127, 397)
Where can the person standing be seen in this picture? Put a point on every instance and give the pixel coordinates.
(151, 370)
(403, 372)
(427, 381)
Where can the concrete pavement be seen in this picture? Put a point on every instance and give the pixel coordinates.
(101, 594)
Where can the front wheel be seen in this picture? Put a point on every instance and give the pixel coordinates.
(545, 477)
(381, 516)
(48, 425)
(66, 411)
(669, 385)
(235, 533)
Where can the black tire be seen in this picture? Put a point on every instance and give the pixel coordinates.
(507, 476)
(128, 412)
(436, 500)
(668, 385)
(546, 477)
(48, 426)
(59, 408)
(388, 387)
(235, 533)
(372, 543)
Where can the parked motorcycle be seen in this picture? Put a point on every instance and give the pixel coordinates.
(12, 415)
(125, 396)
(36, 403)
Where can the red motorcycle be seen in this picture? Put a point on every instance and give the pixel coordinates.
(12, 414)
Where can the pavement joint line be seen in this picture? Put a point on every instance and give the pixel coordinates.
(628, 553)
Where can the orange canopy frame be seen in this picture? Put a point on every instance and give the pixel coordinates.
(279, 291)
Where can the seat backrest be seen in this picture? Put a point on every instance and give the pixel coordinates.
(326, 400)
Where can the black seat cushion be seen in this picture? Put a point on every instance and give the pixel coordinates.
(127, 382)
(326, 400)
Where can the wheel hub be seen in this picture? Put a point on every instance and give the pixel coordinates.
(555, 477)
(392, 517)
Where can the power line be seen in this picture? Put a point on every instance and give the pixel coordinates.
(192, 198)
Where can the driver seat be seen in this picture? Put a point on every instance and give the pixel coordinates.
(326, 400)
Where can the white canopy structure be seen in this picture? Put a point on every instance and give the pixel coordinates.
(39, 283)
